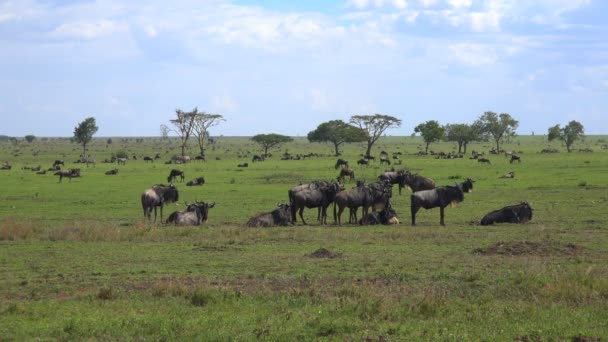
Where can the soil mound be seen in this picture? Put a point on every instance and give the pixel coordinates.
(538, 248)
(324, 253)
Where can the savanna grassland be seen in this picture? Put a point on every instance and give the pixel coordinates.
(79, 262)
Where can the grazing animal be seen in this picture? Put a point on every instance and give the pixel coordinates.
(508, 175)
(58, 162)
(341, 163)
(515, 158)
(484, 160)
(438, 197)
(257, 158)
(394, 177)
(174, 174)
(362, 162)
(54, 168)
(112, 172)
(200, 158)
(368, 157)
(36, 169)
(69, 173)
(281, 216)
(182, 159)
(157, 196)
(318, 194)
(385, 160)
(157, 156)
(417, 182)
(243, 165)
(519, 213)
(195, 214)
(467, 185)
(386, 216)
(196, 181)
(122, 161)
(345, 171)
(148, 159)
(373, 195)
(41, 172)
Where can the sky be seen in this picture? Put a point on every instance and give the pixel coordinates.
(286, 66)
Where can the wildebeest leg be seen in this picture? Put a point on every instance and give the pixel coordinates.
(415, 209)
(441, 215)
(302, 216)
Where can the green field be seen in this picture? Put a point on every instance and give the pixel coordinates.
(79, 262)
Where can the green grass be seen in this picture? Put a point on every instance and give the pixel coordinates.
(78, 262)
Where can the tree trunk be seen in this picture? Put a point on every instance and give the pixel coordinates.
(183, 149)
(427, 147)
(465, 147)
(265, 151)
(336, 145)
(369, 148)
(460, 147)
(201, 145)
(497, 145)
(84, 150)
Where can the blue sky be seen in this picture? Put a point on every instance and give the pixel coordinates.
(286, 66)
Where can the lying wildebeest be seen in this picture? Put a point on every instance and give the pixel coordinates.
(243, 165)
(394, 177)
(438, 197)
(70, 173)
(36, 169)
(369, 157)
(173, 175)
(54, 168)
(484, 160)
(112, 172)
(345, 171)
(196, 181)
(195, 214)
(58, 162)
(42, 172)
(281, 216)
(385, 216)
(157, 156)
(181, 159)
(362, 162)
(375, 195)
(122, 161)
(515, 158)
(417, 182)
(257, 158)
(519, 213)
(157, 196)
(508, 175)
(318, 194)
(384, 160)
(148, 159)
(6, 166)
(200, 158)
(341, 163)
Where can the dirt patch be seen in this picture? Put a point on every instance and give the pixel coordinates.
(324, 253)
(585, 339)
(539, 248)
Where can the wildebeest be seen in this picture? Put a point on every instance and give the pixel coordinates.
(369, 157)
(174, 174)
(70, 173)
(467, 185)
(281, 216)
(112, 172)
(484, 160)
(384, 160)
(36, 169)
(58, 162)
(54, 168)
(362, 162)
(373, 195)
(148, 159)
(181, 159)
(257, 158)
(394, 177)
(243, 165)
(200, 158)
(417, 182)
(341, 163)
(157, 196)
(438, 197)
(196, 181)
(195, 214)
(508, 175)
(345, 171)
(318, 194)
(515, 158)
(41, 172)
(519, 213)
(385, 216)
(122, 161)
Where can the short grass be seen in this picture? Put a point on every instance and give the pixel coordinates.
(79, 262)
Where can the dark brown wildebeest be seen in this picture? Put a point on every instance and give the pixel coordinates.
(174, 174)
(439, 197)
(519, 213)
(6, 166)
(54, 168)
(345, 171)
(157, 156)
(58, 162)
(369, 157)
(112, 172)
(466, 186)
(362, 162)
(281, 216)
(200, 158)
(417, 182)
(318, 194)
(384, 160)
(515, 158)
(148, 159)
(122, 161)
(510, 174)
(484, 160)
(36, 169)
(243, 165)
(341, 163)
(196, 181)
(70, 173)
(257, 158)
(41, 172)
(394, 177)
(385, 216)
(157, 196)
(373, 195)
(195, 214)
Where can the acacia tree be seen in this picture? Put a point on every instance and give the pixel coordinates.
(373, 126)
(572, 132)
(184, 124)
(497, 126)
(430, 131)
(461, 134)
(30, 138)
(83, 133)
(271, 140)
(202, 123)
(336, 132)
(164, 131)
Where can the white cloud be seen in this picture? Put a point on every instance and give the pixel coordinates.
(224, 103)
(481, 22)
(460, 3)
(428, 3)
(86, 30)
(365, 4)
(475, 55)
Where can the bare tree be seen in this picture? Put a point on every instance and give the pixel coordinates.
(164, 131)
(373, 126)
(202, 123)
(184, 124)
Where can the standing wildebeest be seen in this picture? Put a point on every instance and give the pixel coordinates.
(375, 195)
(369, 157)
(195, 214)
(384, 160)
(257, 158)
(196, 181)
(417, 182)
(173, 175)
(386, 216)
(112, 172)
(318, 194)
(394, 177)
(6, 166)
(281, 216)
(122, 161)
(519, 213)
(438, 197)
(515, 158)
(58, 162)
(467, 185)
(484, 160)
(341, 163)
(148, 159)
(346, 172)
(362, 162)
(200, 158)
(157, 196)
(243, 165)
(70, 173)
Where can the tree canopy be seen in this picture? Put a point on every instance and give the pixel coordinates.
(461, 134)
(184, 124)
(83, 133)
(497, 126)
(202, 122)
(336, 132)
(30, 138)
(373, 126)
(267, 141)
(570, 133)
(430, 131)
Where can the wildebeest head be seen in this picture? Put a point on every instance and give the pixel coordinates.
(467, 185)
(201, 209)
